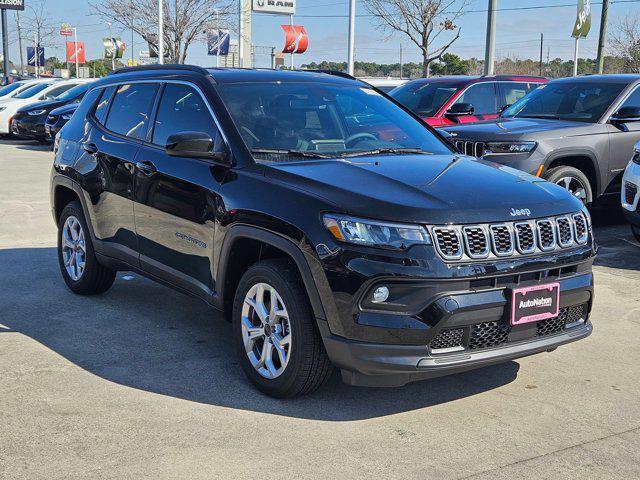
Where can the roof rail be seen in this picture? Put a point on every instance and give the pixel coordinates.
(171, 66)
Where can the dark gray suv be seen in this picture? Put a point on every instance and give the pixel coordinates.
(577, 132)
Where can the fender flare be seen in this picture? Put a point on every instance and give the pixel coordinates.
(278, 241)
(578, 152)
(68, 183)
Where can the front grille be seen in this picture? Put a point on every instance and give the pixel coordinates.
(473, 149)
(565, 231)
(464, 242)
(496, 333)
(501, 239)
(630, 191)
(448, 243)
(546, 235)
(525, 237)
(488, 334)
(449, 338)
(476, 241)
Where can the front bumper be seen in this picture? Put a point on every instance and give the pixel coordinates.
(28, 127)
(630, 193)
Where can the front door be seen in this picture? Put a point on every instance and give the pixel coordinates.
(175, 197)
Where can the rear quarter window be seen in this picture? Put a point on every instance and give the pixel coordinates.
(84, 108)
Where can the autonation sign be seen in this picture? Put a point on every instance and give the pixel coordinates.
(12, 4)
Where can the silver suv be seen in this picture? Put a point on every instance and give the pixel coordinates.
(577, 132)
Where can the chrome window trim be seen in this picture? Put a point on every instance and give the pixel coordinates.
(487, 249)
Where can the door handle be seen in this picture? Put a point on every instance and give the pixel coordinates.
(90, 148)
(146, 167)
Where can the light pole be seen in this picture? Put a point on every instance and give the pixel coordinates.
(490, 43)
(75, 46)
(352, 28)
(160, 32)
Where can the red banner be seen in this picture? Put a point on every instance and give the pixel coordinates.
(71, 52)
(296, 40)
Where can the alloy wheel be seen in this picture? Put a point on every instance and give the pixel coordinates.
(574, 186)
(266, 330)
(74, 249)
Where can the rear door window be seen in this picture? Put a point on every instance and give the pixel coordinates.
(482, 96)
(131, 108)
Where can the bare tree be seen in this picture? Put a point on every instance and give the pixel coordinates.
(185, 21)
(423, 21)
(38, 23)
(625, 42)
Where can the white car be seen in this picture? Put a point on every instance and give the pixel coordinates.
(386, 84)
(13, 89)
(630, 195)
(40, 91)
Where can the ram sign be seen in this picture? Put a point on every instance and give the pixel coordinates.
(12, 4)
(282, 7)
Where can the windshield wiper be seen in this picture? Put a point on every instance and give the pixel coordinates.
(384, 151)
(291, 153)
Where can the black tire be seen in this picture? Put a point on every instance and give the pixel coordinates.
(308, 366)
(554, 175)
(636, 232)
(96, 278)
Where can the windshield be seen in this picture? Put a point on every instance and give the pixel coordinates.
(424, 99)
(31, 91)
(10, 88)
(573, 101)
(75, 93)
(278, 120)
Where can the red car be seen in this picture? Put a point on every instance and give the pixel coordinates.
(444, 101)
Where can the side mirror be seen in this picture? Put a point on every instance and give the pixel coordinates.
(626, 114)
(460, 110)
(192, 145)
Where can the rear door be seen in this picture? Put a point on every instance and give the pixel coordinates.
(176, 197)
(121, 122)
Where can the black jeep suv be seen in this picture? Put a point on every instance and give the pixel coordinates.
(331, 225)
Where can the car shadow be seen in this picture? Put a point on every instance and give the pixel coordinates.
(25, 144)
(146, 336)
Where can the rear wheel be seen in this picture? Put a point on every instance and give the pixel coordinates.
(572, 180)
(79, 266)
(278, 343)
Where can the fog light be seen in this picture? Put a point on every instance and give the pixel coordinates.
(380, 295)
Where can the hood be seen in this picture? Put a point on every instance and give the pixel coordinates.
(434, 189)
(69, 107)
(516, 128)
(47, 105)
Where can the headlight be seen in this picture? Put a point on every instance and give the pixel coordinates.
(375, 234)
(37, 112)
(67, 116)
(509, 147)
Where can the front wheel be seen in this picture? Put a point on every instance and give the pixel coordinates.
(278, 343)
(572, 180)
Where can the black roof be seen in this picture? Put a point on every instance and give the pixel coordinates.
(234, 75)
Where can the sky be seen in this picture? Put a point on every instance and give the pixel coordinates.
(326, 21)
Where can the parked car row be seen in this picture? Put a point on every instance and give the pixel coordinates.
(26, 105)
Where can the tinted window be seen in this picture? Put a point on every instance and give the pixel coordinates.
(130, 109)
(103, 104)
(579, 101)
(482, 96)
(633, 100)
(31, 91)
(181, 109)
(9, 88)
(329, 119)
(423, 98)
(54, 92)
(514, 91)
(75, 93)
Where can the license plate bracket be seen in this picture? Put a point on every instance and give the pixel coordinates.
(535, 303)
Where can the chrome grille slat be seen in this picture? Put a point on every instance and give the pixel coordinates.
(469, 147)
(499, 240)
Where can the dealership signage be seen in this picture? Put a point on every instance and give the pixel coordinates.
(12, 4)
(113, 47)
(283, 7)
(583, 20)
(296, 39)
(66, 30)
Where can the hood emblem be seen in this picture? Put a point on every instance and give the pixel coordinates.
(520, 212)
